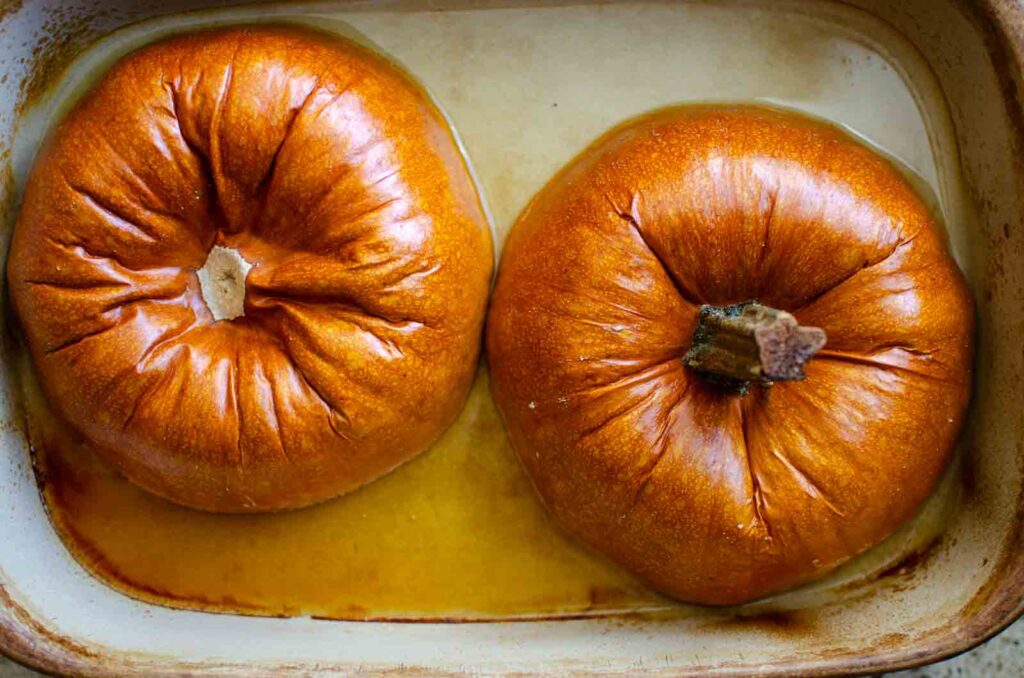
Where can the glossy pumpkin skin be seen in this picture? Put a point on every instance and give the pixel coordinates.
(333, 174)
(709, 496)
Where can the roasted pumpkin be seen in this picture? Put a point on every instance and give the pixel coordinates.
(330, 172)
(731, 348)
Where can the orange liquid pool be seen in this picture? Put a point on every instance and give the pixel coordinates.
(458, 533)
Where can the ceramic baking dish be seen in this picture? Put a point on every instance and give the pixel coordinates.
(955, 577)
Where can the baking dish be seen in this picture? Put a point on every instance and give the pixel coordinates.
(960, 62)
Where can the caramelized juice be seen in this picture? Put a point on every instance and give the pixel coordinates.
(458, 533)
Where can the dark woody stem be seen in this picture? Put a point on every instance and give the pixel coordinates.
(734, 346)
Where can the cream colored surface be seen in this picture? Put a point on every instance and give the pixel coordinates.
(938, 606)
(1001, 657)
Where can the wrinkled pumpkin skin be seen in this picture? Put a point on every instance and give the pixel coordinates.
(712, 497)
(330, 171)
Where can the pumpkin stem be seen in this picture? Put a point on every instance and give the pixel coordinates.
(743, 343)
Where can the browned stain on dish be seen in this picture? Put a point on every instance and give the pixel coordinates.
(778, 622)
(9, 7)
(67, 31)
(1001, 597)
(1004, 41)
(900, 574)
(30, 642)
(911, 562)
(968, 478)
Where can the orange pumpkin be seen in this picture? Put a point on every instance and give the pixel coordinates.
(335, 176)
(662, 418)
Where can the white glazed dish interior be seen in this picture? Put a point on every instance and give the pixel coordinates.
(834, 61)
